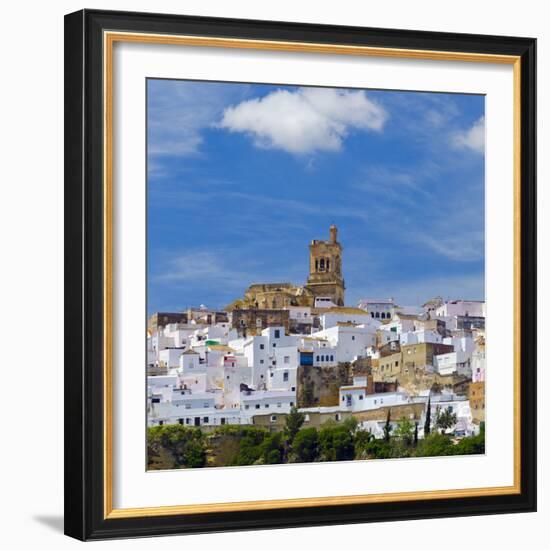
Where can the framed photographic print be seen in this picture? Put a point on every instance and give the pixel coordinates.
(300, 274)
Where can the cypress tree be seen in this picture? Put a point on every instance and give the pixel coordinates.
(415, 434)
(387, 427)
(428, 422)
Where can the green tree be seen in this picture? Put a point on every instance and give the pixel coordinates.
(362, 440)
(415, 438)
(336, 443)
(376, 448)
(294, 422)
(404, 431)
(179, 445)
(445, 419)
(271, 449)
(351, 424)
(470, 446)
(194, 455)
(428, 421)
(250, 439)
(388, 427)
(305, 447)
(435, 444)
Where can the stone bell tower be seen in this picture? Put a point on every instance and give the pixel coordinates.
(325, 268)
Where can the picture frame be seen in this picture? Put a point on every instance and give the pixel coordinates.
(90, 161)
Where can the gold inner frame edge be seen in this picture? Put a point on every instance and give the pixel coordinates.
(109, 39)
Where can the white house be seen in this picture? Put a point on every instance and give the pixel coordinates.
(353, 315)
(349, 341)
(454, 362)
(265, 401)
(472, 308)
(378, 308)
(357, 398)
(421, 337)
(301, 315)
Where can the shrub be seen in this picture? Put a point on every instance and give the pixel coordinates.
(305, 447)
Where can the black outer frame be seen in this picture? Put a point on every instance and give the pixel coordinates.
(84, 518)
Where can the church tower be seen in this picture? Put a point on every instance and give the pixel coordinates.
(325, 268)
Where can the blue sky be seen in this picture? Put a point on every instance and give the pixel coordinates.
(241, 177)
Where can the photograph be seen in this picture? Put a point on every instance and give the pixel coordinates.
(315, 274)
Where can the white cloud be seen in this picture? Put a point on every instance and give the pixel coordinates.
(304, 121)
(179, 112)
(200, 266)
(473, 138)
(467, 246)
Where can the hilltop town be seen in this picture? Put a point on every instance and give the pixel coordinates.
(284, 350)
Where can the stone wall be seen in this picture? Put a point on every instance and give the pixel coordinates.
(417, 382)
(250, 322)
(319, 386)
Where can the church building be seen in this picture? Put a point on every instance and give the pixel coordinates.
(325, 281)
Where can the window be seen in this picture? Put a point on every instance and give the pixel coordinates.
(293, 388)
(332, 357)
(292, 404)
(188, 421)
(328, 265)
(161, 422)
(353, 337)
(286, 359)
(188, 405)
(285, 376)
(205, 420)
(223, 421)
(318, 358)
(377, 315)
(271, 375)
(205, 405)
(262, 346)
(266, 405)
(273, 362)
(274, 345)
(261, 361)
(279, 405)
(273, 418)
(261, 375)
(322, 264)
(361, 397)
(257, 405)
(277, 333)
(180, 420)
(247, 407)
(397, 363)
